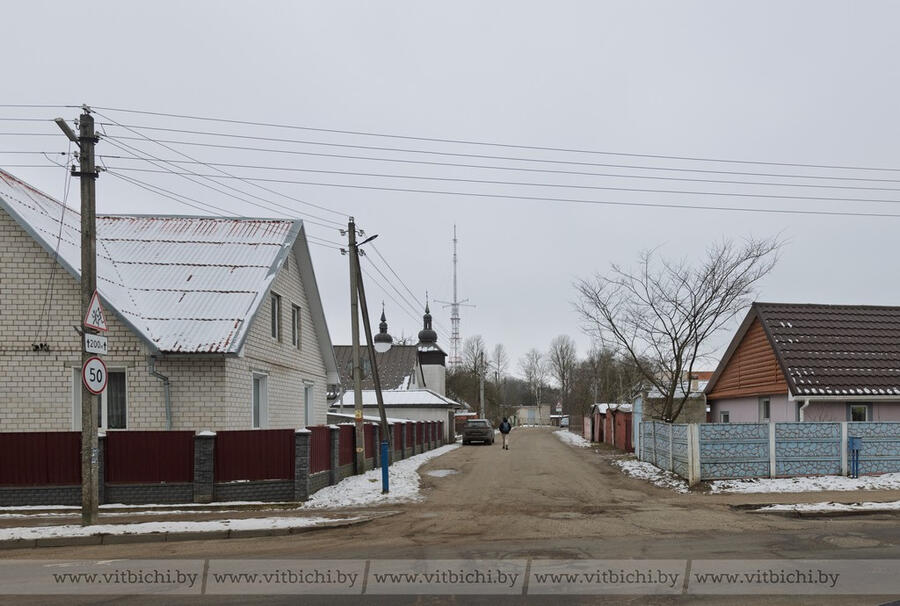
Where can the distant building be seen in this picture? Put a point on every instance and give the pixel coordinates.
(533, 415)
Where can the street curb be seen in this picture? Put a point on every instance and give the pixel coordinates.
(171, 537)
(163, 508)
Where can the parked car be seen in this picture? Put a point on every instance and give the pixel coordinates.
(478, 430)
(564, 422)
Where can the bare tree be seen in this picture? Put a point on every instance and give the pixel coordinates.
(474, 355)
(562, 362)
(499, 362)
(534, 370)
(661, 314)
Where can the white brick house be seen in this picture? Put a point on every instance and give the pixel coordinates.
(189, 302)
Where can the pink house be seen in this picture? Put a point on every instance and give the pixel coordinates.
(792, 362)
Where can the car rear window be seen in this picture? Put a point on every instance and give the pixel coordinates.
(477, 423)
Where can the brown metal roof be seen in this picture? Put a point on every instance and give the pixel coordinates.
(395, 366)
(835, 350)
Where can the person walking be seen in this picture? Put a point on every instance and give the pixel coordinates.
(505, 428)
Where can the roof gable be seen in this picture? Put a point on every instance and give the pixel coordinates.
(182, 284)
(396, 366)
(751, 368)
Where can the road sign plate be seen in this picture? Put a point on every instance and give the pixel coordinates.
(95, 318)
(93, 374)
(96, 344)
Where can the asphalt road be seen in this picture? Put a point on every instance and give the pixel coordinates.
(544, 499)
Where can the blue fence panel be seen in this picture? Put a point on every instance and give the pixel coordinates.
(880, 446)
(807, 449)
(734, 450)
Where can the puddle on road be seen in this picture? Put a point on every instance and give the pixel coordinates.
(441, 473)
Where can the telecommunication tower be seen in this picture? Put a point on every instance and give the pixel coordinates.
(455, 358)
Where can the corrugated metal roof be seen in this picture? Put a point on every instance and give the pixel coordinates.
(184, 284)
(399, 397)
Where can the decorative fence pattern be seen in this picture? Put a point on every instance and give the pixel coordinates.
(763, 450)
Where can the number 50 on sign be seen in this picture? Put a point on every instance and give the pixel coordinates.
(93, 374)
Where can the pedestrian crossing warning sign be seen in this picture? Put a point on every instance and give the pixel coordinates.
(95, 318)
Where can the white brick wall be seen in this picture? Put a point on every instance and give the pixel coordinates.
(210, 392)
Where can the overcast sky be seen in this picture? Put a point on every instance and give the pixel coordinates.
(799, 82)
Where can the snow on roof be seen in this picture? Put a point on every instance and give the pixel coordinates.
(367, 418)
(615, 406)
(183, 284)
(400, 397)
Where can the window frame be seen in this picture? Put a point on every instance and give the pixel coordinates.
(765, 410)
(296, 319)
(308, 395)
(103, 409)
(263, 406)
(724, 416)
(275, 311)
(865, 406)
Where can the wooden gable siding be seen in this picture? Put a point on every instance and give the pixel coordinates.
(752, 369)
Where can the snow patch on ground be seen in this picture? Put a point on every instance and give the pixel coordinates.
(441, 473)
(39, 532)
(651, 473)
(572, 439)
(831, 506)
(888, 481)
(365, 489)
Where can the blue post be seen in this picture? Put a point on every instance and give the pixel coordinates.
(385, 462)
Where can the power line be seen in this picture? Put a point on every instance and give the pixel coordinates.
(501, 145)
(619, 203)
(524, 183)
(125, 147)
(559, 172)
(226, 173)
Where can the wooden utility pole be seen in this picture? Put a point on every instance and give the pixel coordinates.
(90, 452)
(357, 364)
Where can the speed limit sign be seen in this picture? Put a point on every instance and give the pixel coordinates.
(93, 374)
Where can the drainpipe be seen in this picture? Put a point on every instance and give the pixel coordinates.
(803, 409)
(165, 381)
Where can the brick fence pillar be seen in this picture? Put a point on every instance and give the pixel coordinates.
(204, 466)
(301, 464)
(335, 476)
(101, 468)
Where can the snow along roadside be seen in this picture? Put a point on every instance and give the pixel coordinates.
(572, 439)
(364, 490)
(67, 531)
(642, 470)
(887, 481)
(831, 507)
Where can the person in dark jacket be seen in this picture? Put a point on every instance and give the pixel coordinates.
(505, 428)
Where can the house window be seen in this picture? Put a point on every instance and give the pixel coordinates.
(295, 326)
(307, 403)
(113, 410)
(724, 416)
(765, 409)
(276, 316)
(259, 401)
(859, 412)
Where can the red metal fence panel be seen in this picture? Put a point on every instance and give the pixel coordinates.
(440, 428)
(411, 434)
(370, 439)
(149, 457)
(319, 449)
(347, 444)
(420, 432)
(40, 458)
(255, 454)
(398, 436)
